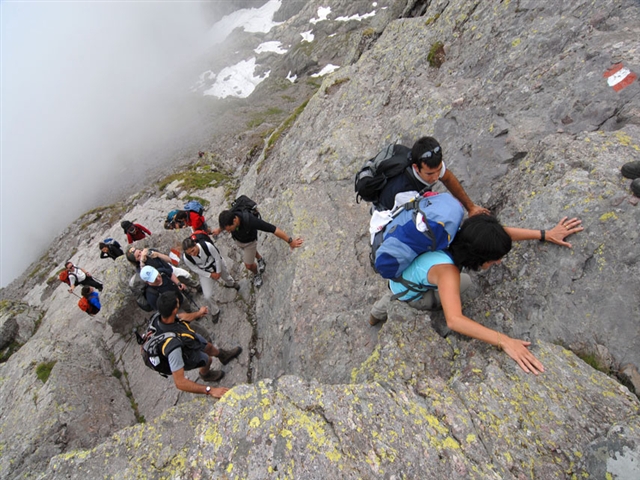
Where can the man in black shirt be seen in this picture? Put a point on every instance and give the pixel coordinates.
(244, 228)
(425, 170)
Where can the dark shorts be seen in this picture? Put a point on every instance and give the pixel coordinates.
(196, 358)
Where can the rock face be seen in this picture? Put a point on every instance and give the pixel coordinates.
(419, 407)
(530, 126)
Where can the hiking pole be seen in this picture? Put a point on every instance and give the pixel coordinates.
(184, 292)
(74, 293)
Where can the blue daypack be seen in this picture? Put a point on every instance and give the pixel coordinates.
(194, 206)
(111, 241)
(401, 242)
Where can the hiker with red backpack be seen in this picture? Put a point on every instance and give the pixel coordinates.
(90, 301)
(433, 280)
(397, 169)
(134, 231)
(77, 276)
(243, 221)
(192, 216)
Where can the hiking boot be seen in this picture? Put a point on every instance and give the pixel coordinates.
(212, 376)
(215, 318)
(235, 285)
(257, 280)
(225, 356)
(262, 265)
(631, 170)
(635, 187)
(374, 321)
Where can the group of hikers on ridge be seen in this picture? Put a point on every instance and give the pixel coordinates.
(423, 268)
(166, 286)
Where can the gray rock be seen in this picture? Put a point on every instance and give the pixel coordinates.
(528, 124)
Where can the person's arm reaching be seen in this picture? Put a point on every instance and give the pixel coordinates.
(455, 187)
(447, 278)
(186, 385)
(293, 242)
(557, 234)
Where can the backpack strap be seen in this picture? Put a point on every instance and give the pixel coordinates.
(203, 245)
(418, 290)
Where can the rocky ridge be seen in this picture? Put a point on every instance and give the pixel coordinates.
(535, 133)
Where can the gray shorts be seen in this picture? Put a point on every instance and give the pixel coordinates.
(249, 251)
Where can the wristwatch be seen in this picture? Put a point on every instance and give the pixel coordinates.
(290, 240)
(207, 390)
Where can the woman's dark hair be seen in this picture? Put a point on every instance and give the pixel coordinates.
(166, 303)
(188, 243)
(102, 245)
(427, 151)
(181, 215)
(225, 219)
(480, 239)
(86, 291)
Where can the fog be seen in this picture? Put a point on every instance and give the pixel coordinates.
(91, 95)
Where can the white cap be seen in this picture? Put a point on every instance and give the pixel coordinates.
(149, 274)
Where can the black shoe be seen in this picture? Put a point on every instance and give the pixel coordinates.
(212, 376)
(635, 187)
(257, 280)
(216, 318)
(262, 265)
(631, 170)
(225, 356)
(235, 285)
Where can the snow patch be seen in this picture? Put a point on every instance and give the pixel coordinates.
(273, 46)
(236, 81)
(326, 70)
(323, 12)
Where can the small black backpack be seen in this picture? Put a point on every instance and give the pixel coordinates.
(390, 162)
(151, 347)
(245, 204)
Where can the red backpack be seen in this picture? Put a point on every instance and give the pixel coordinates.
(85, 306)
(64, 277)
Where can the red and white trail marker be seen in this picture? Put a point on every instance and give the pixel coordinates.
(619, 77)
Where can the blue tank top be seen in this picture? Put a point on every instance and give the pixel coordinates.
(417, 272)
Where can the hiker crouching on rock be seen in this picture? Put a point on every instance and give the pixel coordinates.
(244, 228)
(422, 174)
(190, 351)
(134, 231)
(111, 250)
(159, 283)
(78, 276)
(192, 219)
(141, 257)
(433, 280)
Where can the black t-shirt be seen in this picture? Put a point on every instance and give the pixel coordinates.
(247, 231)
(404, 182)
(152, 293)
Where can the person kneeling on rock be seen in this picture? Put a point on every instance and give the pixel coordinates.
(433, 280)
(186, 352)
